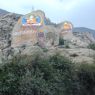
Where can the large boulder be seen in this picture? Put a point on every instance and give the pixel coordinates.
(7, 23)
(32, 29)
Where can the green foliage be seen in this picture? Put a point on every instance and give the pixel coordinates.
(86, 78)
(55, 75)
(92, 46)
(45, 50)
(67, 46)
(61, 41)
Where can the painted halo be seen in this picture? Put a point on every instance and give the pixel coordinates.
(67, 26)
(32, 20)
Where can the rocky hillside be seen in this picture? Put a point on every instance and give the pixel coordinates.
(3, 12)
(7, 22)
(85, 36)
(83, 29)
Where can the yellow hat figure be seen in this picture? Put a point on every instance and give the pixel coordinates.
(67, 26)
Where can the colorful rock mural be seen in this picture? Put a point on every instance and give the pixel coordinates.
(32, 20)
(66, 29)
(26, 29)
(32, 29)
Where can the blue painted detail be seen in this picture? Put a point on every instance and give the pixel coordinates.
(45, 21)
(24, 21)
(38, 19)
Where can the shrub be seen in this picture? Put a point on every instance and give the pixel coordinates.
(36, 76)
(61, 41)
(67, 46)
(86, 79)
(91, 46)
(55, 75)
(45, 50)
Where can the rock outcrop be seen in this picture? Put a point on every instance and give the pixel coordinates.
(7, 23)
(3, 12)
(18, 37)
(32, 29)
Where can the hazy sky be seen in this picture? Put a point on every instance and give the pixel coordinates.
(80, 12)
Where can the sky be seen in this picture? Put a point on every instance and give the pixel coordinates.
(80, 12)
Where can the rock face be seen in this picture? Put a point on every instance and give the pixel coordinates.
(33, 32)
(32, 29)
(77, 55)
(75, 39)
(66, 30)
(83, 29)
(7, 23)
(85, 36)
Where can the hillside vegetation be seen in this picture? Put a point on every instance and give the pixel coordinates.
(55, 75)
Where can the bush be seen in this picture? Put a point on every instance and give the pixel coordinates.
(67, 46)
(45, 50)
(55, 75)
(91, 46)
(61, 41)
(36, 76)
(86, 79)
